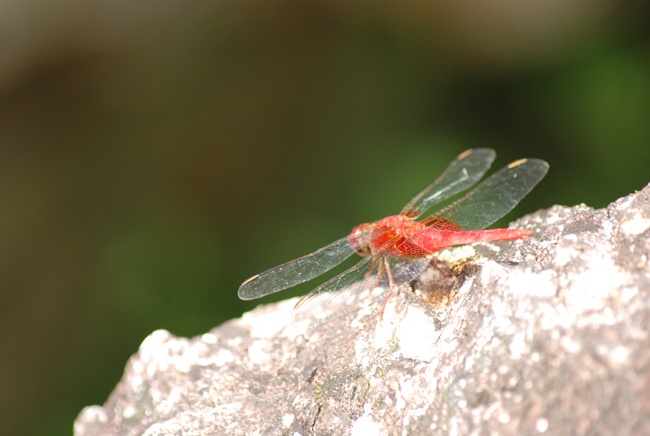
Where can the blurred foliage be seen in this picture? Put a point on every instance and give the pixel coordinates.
(153, 156)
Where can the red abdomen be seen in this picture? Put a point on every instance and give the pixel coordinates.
(434, 239)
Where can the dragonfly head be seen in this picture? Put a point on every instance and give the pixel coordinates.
(360, 239)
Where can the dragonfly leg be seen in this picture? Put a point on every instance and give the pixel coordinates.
(372, 268)
(432, 262)
(380, 271)
(390, 286)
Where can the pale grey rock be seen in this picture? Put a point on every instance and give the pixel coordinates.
(544, 336)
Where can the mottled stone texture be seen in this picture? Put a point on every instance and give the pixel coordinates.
(544, 336)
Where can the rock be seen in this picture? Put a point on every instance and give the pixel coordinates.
(544, 336)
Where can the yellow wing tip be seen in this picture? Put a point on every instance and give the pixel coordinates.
(247, 281)
(517, 163)
(301, 302)
(466, 153)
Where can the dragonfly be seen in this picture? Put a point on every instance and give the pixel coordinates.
(398, 248)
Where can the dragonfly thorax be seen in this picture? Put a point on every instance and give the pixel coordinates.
(368, 238)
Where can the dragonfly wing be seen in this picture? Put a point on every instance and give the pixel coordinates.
(461, 174)
(356, 288)
(296, 271)
(493, 198)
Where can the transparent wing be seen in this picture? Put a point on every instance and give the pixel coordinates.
(493, 198)
(296, 271)
(360, 286)
(461, 174)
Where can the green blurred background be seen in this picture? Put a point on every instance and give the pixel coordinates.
(153, 155)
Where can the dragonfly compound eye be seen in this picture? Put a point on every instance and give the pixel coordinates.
(359, 240)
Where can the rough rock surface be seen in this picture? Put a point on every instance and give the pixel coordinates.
(544, 336)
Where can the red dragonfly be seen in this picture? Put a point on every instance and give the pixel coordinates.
(398, 248)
